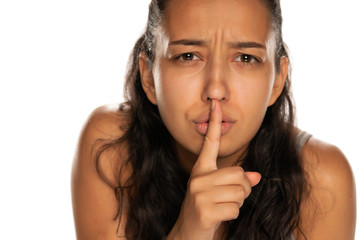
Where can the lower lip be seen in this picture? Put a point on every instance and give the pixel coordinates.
(202, 128)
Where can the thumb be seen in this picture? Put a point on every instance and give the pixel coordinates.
(254, 178)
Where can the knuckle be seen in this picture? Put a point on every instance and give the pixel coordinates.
(240, 193)
(240, 203)
(203, 211)
(207, 219)
(203, 214)
(238, 174)
(193, 185)
(239, 171)
(239, 190)
(247, 191)
(204, 217)
(198, 202)
(234, 211)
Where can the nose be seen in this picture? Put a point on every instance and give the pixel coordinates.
(215, 84)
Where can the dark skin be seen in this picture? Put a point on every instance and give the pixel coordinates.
(213, 73)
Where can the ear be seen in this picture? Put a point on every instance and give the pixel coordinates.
(147, 79)
(280, 80)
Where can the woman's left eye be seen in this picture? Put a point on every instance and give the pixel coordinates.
(246, 58)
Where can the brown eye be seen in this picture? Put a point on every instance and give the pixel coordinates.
(186, 57)
(245, 58)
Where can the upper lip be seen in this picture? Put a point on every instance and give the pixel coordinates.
(204, 118)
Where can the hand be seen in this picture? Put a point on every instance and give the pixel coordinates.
(213, 195)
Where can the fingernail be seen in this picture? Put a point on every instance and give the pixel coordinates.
(212, 107)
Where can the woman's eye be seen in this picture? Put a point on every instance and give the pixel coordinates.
(186, 57)
(245, 58)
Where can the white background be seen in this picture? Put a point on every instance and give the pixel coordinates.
(61, 59)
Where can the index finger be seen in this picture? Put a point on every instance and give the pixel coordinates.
(209, 152)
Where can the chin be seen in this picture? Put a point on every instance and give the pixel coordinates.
(232, 153)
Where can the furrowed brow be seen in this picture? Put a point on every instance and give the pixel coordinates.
(188, 42)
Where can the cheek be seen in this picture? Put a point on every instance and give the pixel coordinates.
(176, 90)
(253, 90)
(174, 94)
(251, 95)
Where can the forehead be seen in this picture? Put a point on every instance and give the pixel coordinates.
(233, 19)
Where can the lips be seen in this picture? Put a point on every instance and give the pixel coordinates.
(202, 123)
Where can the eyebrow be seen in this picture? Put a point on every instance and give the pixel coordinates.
(246, 45)
(188, 42)
(195, 42)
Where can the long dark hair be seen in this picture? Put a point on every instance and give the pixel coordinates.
(156, 187)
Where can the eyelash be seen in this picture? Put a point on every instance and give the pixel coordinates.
(248, 57)
(252, 59)
(181, 56)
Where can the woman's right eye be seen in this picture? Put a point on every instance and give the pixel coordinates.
(187, 57)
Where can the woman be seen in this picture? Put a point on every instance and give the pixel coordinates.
(205, 146)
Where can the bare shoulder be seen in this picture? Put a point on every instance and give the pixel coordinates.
(329, 212)
(326, 164)
(104, 122)
(94, 176)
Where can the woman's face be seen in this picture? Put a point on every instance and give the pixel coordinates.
(214, 49)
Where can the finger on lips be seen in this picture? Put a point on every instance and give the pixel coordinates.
(209, 152)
